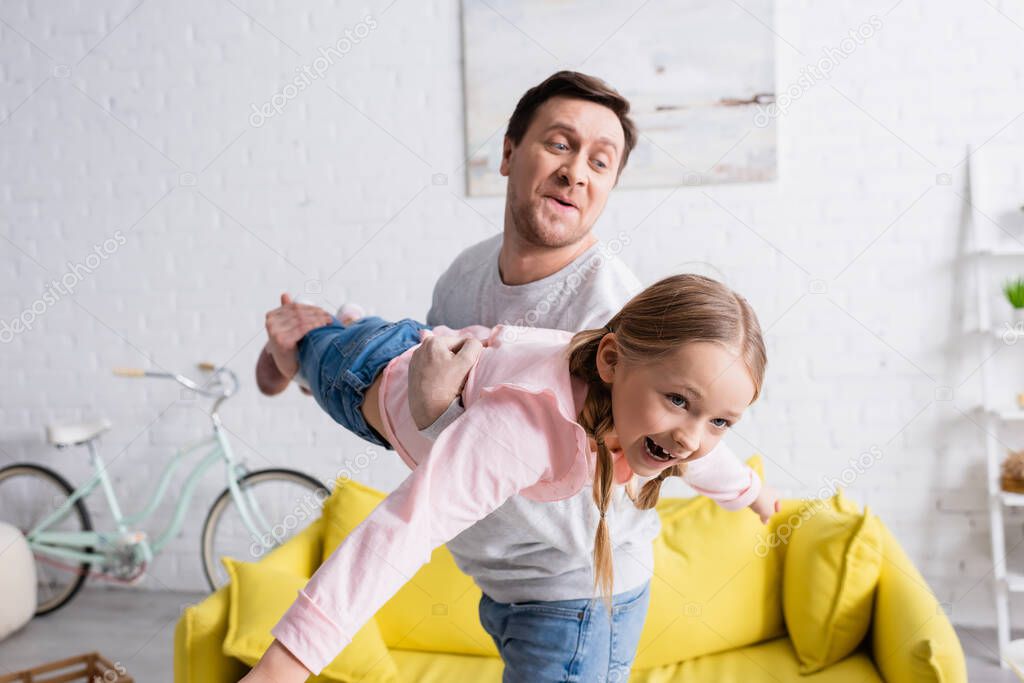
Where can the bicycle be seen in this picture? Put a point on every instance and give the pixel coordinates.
(52, 516)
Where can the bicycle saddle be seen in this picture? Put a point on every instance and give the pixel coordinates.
(74, 433)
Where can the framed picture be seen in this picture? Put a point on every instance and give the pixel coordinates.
(698, 76)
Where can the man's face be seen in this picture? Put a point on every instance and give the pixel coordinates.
(560, 173)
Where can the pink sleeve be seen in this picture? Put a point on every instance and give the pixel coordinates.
(505, 442)
(720, 475)
(479, 331)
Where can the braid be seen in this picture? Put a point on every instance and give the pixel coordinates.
(596, 419)
(603, 567)
(648, 497)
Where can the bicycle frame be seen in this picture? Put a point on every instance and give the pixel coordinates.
(63, 544)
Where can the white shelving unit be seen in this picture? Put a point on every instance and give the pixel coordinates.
(996, 413)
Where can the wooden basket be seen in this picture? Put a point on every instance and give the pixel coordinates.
(1009, 484)
(88, 668)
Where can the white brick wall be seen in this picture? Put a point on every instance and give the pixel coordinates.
(134, 120)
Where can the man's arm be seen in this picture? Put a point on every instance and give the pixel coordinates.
(438, 371)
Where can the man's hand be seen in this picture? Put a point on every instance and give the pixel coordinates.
(286, 325)
(766, 504)
(437, 372)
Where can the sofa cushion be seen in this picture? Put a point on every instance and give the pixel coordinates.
(437, 610)
(712, 589)
(437, 667)
(259, 596)
(832, 568)
(774, 660)
(199, 636)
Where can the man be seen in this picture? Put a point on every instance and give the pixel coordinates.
(547, 248)
(567, 142)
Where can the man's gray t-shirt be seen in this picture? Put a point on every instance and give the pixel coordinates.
(527, 550)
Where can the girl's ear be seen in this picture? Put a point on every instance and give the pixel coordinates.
(607, 357)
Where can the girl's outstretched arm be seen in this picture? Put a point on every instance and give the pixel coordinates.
(507, 441)
(721, 476)
(767, 503)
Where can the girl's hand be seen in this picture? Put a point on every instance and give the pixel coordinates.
(767, 503)
(277, 665)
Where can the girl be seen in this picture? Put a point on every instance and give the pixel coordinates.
(548, 412)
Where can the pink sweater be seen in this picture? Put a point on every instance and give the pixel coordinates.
(521, 404)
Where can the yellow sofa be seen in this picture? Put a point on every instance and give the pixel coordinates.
(716, 611)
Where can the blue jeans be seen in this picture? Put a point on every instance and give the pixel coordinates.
(567, 640)
(340, 363)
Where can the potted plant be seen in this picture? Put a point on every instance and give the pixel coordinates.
(1012, 478)
(1014, 291)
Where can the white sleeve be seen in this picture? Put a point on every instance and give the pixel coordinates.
(451, 413)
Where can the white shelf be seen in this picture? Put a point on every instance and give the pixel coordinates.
(1000, 252)
(1015, 582)
(990, 256)
(1012, 499)
(1010, 335)
(1009, 415)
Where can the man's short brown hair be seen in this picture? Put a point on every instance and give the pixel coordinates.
(579, 86)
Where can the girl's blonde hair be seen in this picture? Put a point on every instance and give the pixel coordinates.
(674, 311)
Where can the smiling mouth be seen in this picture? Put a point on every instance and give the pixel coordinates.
(656, 451)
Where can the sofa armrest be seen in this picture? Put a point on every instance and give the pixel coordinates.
(200, 632)
(912, 639)
(198, 640)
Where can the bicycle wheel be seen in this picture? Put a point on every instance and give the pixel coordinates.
(28, 493)
(282, 502)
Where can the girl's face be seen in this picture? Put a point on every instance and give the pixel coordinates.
(677, 409)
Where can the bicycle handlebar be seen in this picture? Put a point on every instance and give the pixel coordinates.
(221, 384)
